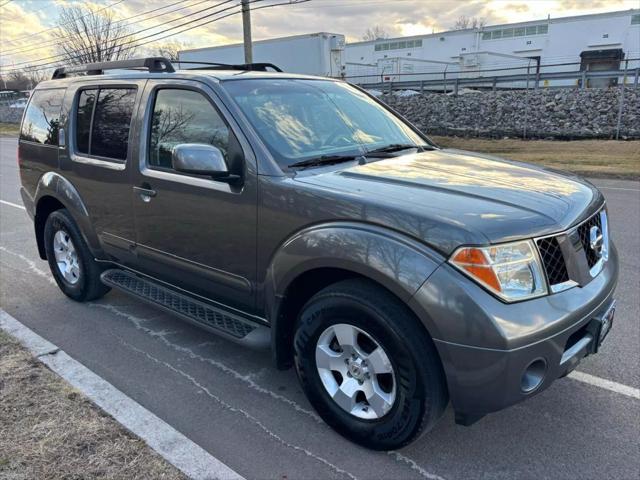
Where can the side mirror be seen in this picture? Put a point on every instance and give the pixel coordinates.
(200, 159)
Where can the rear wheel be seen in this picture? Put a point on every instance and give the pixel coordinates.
(367, 366)
(72, 265)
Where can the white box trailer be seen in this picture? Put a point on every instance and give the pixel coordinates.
(312, 54)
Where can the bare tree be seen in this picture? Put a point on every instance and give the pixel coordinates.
(170, 50)
(25, 79)
(375, 33)
(87, 35)
(464, 22)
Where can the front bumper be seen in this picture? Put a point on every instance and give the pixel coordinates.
(486, 346)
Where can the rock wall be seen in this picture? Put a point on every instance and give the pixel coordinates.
(561, 114)
(10, 115)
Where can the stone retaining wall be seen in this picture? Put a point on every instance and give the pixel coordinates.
(10, 115)
(562, 114)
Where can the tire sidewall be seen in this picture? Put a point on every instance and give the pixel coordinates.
(400, 424)
(58, 220)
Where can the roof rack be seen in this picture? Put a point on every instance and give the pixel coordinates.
(255, 67)
(152, 64)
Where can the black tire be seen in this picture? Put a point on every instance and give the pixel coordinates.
(421, 392)
(88, 286)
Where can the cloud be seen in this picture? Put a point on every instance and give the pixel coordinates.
(517, 7)
(349, 17)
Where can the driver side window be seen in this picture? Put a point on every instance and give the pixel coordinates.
(184, 116)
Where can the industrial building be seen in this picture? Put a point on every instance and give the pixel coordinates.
(596, 50)
(599, 42)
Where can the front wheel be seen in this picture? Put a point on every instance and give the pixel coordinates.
(73, 267)
(367, 366)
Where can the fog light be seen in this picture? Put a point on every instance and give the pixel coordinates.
(533, 375)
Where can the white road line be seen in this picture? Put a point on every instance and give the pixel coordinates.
(13, 204)
(192, 460)
(606, 384)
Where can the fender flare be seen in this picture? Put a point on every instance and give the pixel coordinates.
(53, 185)
(387, 257)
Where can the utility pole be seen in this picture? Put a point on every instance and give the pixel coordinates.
(246, 28)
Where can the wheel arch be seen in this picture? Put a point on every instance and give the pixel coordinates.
(324, 254)
(55, 192)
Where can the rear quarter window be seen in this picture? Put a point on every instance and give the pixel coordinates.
(41, 122)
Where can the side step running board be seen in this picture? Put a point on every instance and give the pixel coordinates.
(214, 319)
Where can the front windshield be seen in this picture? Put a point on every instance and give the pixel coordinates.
(306, 119)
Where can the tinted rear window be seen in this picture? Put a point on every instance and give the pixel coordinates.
(83, 119)
(108, 135)
(42, 119)
(111, 122)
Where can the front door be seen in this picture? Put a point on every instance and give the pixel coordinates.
(192, 231)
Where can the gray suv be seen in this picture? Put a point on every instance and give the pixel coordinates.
(302, 214)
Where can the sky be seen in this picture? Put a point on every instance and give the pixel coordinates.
(26, 26)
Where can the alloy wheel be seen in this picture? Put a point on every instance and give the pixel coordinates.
(355, 371)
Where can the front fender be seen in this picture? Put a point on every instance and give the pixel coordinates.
(385, 256)
(54, 185)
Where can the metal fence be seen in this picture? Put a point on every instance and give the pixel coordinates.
(452, 77)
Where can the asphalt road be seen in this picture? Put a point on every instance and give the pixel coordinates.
(236, 405)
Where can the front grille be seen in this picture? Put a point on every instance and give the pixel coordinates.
(553, 260)
(583, 232)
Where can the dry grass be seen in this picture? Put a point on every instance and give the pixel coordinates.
(594, 158)
(48, 430)
(9, 129)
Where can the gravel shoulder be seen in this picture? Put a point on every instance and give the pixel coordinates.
(49, 430)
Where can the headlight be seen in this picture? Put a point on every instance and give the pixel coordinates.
(512, 271)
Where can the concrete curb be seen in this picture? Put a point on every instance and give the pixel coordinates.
(189, 458)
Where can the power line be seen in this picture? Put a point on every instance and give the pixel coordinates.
(133, 34)
(29, 48)
(48, 65)
(31, 35)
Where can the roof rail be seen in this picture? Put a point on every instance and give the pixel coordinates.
(152, 64)
(256, 67)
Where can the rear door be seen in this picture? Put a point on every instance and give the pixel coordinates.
(191, 230)
(101, 120)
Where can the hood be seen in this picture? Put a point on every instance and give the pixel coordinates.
(460, 197)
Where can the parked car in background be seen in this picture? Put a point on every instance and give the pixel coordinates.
(301, 213)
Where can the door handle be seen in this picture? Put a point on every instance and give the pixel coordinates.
(145, 192)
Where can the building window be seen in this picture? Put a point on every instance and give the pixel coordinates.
(515, 32)
(398, 45)
(635, 19)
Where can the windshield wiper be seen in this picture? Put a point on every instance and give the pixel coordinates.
(324, 160)
(396, 147)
